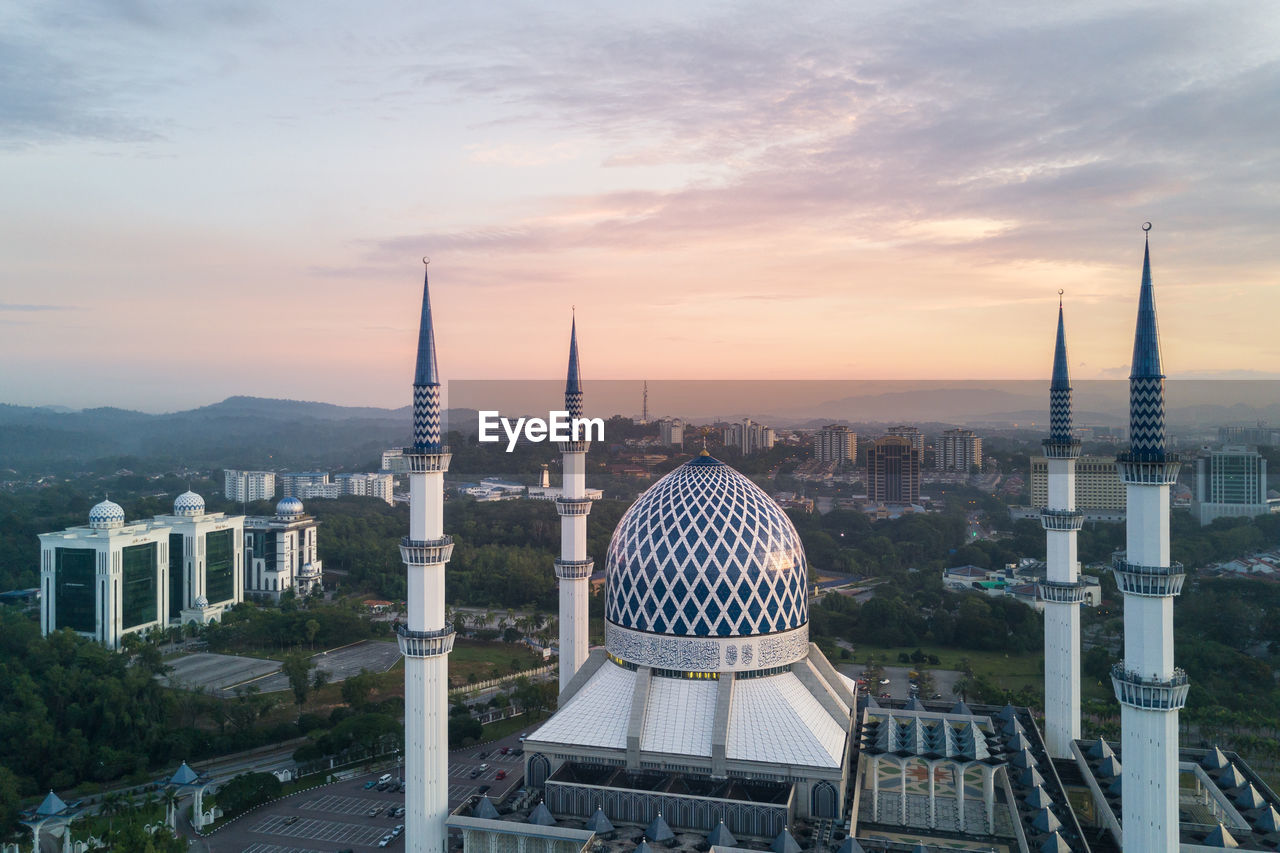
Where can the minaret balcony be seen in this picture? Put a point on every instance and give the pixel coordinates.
(571, 570)
(574, 446)
(418, 461)
(1148, 469)
(425, 644)
(573, 506)
(1063, 592)
(1058, 449)
(1148, 581)
(1150, 694)
(1061, 519)
(426, 552)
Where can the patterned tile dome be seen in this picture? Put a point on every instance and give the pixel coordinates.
(706, 553)
(289, 508)
(105, 515)
(188, 503)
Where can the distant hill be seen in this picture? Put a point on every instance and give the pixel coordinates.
(238, 432)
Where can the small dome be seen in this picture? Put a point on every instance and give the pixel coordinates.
(289, 508)
(201, 602)
(106, 515)
(188, 503)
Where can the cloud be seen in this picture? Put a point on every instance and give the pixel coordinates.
(999, 133)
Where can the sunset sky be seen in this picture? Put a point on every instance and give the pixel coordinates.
(207, 199)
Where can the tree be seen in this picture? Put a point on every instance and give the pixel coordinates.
(356, 689)
(311, 627)
(297, 668)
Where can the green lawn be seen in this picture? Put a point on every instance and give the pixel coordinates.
(1007, 671)
(502, 728)
(472, 661)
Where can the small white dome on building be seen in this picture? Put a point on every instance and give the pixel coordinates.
(188, 503)
(201, 602)
(289, 508)
(106, 515)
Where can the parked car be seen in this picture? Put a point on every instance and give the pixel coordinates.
(483, 754)
(474, 773)
(399, 828)
(505, 750)
(373, 812)
(382, 786)
(484, 789)
(501, 774)
(385, 840)
(291, 820)
(370, 784)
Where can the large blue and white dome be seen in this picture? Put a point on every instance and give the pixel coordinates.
(705, 553)
(106, 515)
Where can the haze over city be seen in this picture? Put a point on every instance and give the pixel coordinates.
(210, 199)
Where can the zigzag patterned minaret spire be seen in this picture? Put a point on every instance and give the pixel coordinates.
(573, 567)
(427, 639)
(1150, 688)
(1062, 590)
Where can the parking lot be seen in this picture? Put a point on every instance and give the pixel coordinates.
(315, 829)
(336, 817)
(341, 664)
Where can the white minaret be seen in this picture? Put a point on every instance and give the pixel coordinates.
(573, 567)
(1062, 590)
(1150, 688)
(427, 640)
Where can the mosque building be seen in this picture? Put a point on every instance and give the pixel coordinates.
(708, 716)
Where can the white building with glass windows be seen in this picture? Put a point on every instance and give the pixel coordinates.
(206, 561)
(111, 577)
(280, 552)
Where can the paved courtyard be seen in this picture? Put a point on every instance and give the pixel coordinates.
(222, 674)
(216, 672)
(341, 664)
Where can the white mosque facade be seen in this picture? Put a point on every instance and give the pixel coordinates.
(708, 711)
(707, 670)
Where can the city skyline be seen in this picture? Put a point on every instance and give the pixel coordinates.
(212, 200)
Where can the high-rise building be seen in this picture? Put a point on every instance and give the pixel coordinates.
(835, 443)
(1151, 690)
(1231, 482)
(913, 435)
(280, 551)
(671, 432)
(1260, 434)
(893, 471)
(1062, 590)
(375, 485)
(300, 484)
(958, 450)
(113, 578)
(749, 437)
(1098, 485)
(206, 561)
(573, 566)
(427, 639)
(245, 486)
